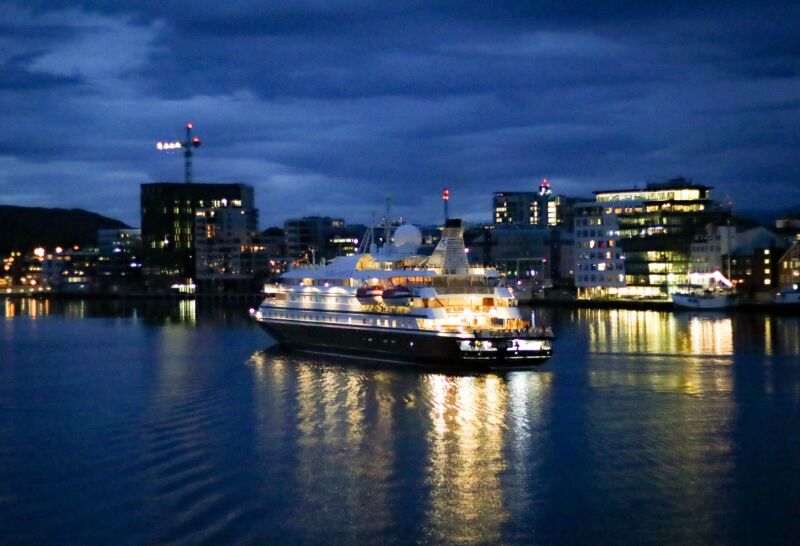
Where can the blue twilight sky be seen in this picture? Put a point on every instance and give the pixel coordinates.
(328, 107)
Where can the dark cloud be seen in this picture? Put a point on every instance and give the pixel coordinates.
(16, 75)
(328, 107)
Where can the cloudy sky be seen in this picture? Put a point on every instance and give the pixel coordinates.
(329, 107)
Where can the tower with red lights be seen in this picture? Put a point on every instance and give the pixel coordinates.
(188, 145)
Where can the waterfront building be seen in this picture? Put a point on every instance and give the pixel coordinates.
(227, 255)
(72, 270)
(599, 262)
(531, 252)
(707, 250)
(119, 266)
(789, 267)
(168, 226)
(637, 242)
(522, 253)
(753, 261)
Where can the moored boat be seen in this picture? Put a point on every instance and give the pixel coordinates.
(704, 300)
(717, 293)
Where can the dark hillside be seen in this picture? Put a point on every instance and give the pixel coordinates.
(24, 228)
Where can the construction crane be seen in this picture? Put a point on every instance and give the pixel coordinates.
(188, 145)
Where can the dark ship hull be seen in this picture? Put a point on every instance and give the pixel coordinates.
(428, 349)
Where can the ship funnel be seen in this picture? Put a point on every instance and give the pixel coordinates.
(450, 255)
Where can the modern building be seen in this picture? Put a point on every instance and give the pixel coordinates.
(514, 208)
(228, 257)
(516, 252)
(168, 218)
(307, 237)
(708, 248)
(637, 242)
(318, 238)
(541, 208)
(119, 265)
(599, 261)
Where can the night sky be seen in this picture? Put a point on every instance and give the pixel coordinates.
(329, 107)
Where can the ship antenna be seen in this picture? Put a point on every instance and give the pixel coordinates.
(386, 222)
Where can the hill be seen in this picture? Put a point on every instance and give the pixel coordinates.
(25, 228)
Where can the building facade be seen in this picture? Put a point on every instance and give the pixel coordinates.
(541, 208)
(168, 218)
(307, 238)
(228, 257)
(119, 265)
(637, 243)
(789, 267)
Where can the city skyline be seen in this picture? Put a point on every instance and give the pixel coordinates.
(328, 109)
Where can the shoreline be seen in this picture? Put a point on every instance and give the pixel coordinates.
(255, 297)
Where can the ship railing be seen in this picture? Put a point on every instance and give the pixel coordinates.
(508, 334)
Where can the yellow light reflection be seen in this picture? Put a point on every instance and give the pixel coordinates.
(711, 337)
(26, 307)
(466, 459)
(345, 449)
(187, 311)
(693, 351)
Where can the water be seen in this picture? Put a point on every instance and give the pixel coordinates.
(171, 424)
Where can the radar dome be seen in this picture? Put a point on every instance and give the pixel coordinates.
(407, 239)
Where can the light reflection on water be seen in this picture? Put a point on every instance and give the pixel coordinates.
(347, 439)
(173, 425)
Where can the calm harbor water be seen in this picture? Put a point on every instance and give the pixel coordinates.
(142, 423)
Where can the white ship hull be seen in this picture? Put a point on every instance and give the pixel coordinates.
(704, 301)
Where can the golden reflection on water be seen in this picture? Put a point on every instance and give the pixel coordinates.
(468, 416)
(187, 311)
(697, 350)
(624, 330)
(711, 336)
(345, 443)
(654, 332)
(26, 307)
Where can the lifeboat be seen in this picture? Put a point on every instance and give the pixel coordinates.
(368, 295)
(397, 295)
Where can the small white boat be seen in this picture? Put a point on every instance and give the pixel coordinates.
(706, 299)
(716, 293)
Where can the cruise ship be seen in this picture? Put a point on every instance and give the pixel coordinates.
(392, 305)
